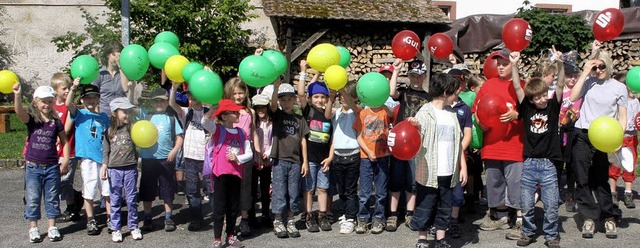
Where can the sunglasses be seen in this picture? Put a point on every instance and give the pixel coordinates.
(601, 67)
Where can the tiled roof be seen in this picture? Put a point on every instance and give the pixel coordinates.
(412, 11)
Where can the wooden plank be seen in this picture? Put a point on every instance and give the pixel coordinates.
(307, 44)
(426, 58)
(289, 44)
(5, 123)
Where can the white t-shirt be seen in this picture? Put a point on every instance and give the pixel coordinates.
(195, 139)
(446, 135)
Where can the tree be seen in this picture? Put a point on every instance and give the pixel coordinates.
(209, 30)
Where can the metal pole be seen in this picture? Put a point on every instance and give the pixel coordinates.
(125, 22)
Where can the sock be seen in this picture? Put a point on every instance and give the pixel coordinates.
(409, 212)
(394, 213)
(627, 191)
(502, 213)
(90, 218)
(322, 214)
(423, 241)
(148, 216)
(218, 239)
(229, 236)
(519, 219)
(167, 215)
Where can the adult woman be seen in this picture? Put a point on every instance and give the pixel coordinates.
(111, 81)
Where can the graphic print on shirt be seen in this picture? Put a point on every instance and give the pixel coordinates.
(290, 127)
(43, 138)
(413, 104)
(319, 131)
(233, 147)
(539, 123)
(375, 133)
(123, 140)
(569, 112)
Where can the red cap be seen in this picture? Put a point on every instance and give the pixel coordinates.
(388, 68)
(227, 105)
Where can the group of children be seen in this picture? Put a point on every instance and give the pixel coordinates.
(239, 147)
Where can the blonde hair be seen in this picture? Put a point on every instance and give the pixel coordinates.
(35, 113)
(606, 58)
(234, 83)
(60, 79)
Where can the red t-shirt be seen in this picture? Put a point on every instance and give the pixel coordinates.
(63, 112)
(499, 144)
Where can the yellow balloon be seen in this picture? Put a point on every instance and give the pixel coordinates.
(7, 80)
(173, 68)
(605, 134)
(322, 56)
(336, 77)
(144, 134)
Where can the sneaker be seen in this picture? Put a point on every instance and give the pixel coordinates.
(610, 228)
(347, 226)
(570, 205)
(588, 229)
(279, 229)
(311, 223)
(490, 225)
(234, 242)
(325, 225)
(485, 218)
(136, 234)
(116, 236)
(92, 227)
(614, 198)
(195, 225)
(292, 230)
(628, 200)
(442, 244)
(554, 243)
(525, 241)
(34, 235)
(377, 227)
(454, 231)
(169, 225)
(483, 201)
(54, 234)
(147, 225)
(407, 220)
(245, 230)
(516, 232)
(218, 244)
(205, 199)
(422, 244)
(392, 224)
(362, 227)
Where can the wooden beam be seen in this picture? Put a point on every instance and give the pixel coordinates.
(289, 48)
(307, 44)
(426, 58)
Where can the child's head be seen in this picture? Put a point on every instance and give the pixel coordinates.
(536, 92)
(159, 100)
(228, 111)
(286, 97)
(261, 105)
(571, 69)
(120, 110)
(547, 72)
(504, 64)
(318, 92)
(111, 53)
(43, 104)
(445, 86)
(60, 82)
(349, 89)
(237, 91)
(460, 76)
(417, 73)
(474, 83)
(90, 97)
(386, 70)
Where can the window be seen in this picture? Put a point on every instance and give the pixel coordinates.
(448, 7)
(555, 8)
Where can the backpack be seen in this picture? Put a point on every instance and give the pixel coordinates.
(189, 117)
(172, 120)
(212, 149)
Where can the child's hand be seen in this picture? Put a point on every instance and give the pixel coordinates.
(463, 177)
(258, 51)
(514, 57)
(596, 45)
(17, 89)
(64, 167)
(397, 64)
(76, 82)
(509, 116)
(304, 169)
(232, 157)
(413, 121)
(172, 156)
(371, 156)
(276, 84)
(303, 65)
(103, 172)
(326, 164)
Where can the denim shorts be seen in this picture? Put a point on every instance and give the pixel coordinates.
(316, 178)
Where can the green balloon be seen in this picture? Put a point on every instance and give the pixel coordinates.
(468, 97)
(633, 79)
(208, 85)
(86, 68)
(345, 56)
(257, 71)
(373, 89)
(160, 52)
(134, 61)
(190, 69)
(476, 134)
(168, 37)
(278, 59)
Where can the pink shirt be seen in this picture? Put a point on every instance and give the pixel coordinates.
(232, 144)
(244, 122)
(569, 113)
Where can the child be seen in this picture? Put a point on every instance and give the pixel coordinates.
(541, 145)
(318, 116)
(42, 170)
(630, 141)
(238, 92)
(61, 82)
(289, 152)
(121, 159)
(195, 140)
(437, 160)
(346, 152)
(90, 125)
(402, 172)
(372, 126)
(158, 173)
(227, 168)
(262, 172)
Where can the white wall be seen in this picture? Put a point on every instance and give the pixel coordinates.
(264, 33)
(474, 7)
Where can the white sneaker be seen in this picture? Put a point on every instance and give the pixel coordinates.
(54, 234)
(347, 226)
(205, 199)
(34, 235)
(136, 234)
(116, 236)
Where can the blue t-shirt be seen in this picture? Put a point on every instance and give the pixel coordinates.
(90, 127)
(165, 142)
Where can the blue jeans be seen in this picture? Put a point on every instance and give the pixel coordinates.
(286, 187)
(193, 184)
(433, 206)
(373, 174)
(539, 171)
(39, 181)
(457, 195)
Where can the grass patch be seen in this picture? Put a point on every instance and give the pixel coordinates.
(13, 142)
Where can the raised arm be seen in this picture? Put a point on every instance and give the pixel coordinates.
(302, 83)
(561, 76)
(514, 58)
(17, 103)
(328, 107)
(595, 49)
(69, 102)
(393, 82)
(576, 92)
(274, 97)
(124, 81)
(207, 123)
(173, 104)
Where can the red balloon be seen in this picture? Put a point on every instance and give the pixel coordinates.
(490, 107)
(517, 34)
(636, 120)
(405, 45)
(440, 45)
(490, 67)
(608, 24)
(404, 140)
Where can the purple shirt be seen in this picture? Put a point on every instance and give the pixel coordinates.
(42, 140)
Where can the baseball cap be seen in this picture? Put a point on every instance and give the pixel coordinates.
(44, 92)
(388, 68)
(286, 90)
(89, 89)
(462, 67)
(227, 105)
(504, 53)
(260, 100)
(317, 87)
(417, 67)
(159, 93)
(120, 103)
(570, 62)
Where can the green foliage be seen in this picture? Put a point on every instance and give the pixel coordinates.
(13, 142)
(566, 32)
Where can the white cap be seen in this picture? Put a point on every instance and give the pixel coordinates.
(286, 89)
(44, 92)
